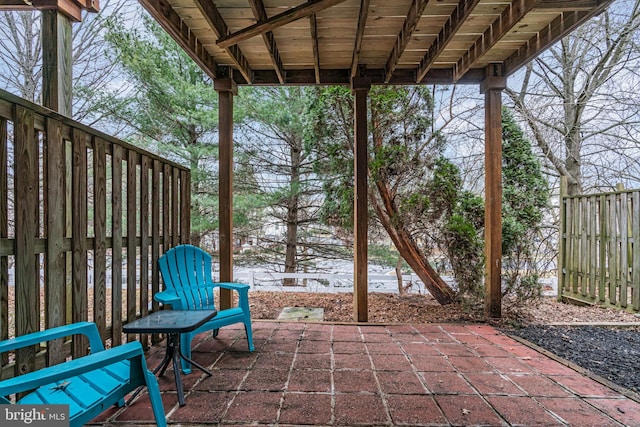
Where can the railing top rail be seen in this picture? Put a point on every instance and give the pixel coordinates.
(606, 193)
(6, 111)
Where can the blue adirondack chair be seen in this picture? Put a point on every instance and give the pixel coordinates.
(186, 273)
(89, 384)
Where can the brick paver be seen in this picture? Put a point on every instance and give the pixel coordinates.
(344, 375)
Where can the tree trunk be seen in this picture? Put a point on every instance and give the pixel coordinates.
(399, 276)
(382, 198)
(409, 249)
(292, 217)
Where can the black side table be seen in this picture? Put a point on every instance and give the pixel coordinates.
(172, 323)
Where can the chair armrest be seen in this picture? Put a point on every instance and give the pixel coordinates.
(243, 293)
(72, 368)
(232, 286)
(167, 297)
(85, 328)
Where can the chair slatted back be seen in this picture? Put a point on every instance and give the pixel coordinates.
(186, 270)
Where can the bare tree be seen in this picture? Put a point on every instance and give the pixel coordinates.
(21, 53)
(580, 101)
(21, 56)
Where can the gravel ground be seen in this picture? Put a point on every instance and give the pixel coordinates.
(611, 353)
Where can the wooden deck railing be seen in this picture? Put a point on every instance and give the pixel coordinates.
(599, 257)
(73, 199)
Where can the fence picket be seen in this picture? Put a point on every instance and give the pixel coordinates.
(603, 248)
(27, 278)
(99, 233)
(63, 217)
(593, 247)
(562, 237)
(55, 297)
(79, 237)
(4, 234)
(582, 252)
(624, 265)
(613, 250)
(599, 258)
(635, 252)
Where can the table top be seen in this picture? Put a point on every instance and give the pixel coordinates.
(170, 321)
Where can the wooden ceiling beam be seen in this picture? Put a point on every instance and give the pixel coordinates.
(88, 5)
(451, 27)
(501, 26)
(402, 40)
(260, 12)
(343, 77)
(568, 5)
(316, 50)
(558, 28)
(302, 11)
(362, 24)
(164, 14)
(16, 5)
(216, 22)
(70, 8)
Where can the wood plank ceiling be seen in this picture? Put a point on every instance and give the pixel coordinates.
(270, 42)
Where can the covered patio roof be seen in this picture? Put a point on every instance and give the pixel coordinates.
(363, 43)
(355, 42)
(270, 42)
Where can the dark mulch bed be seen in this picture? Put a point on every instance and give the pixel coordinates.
(613, 354)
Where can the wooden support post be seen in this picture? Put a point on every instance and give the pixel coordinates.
(360, 87)
(492, 87)
(57, 62)
(226, 89)
(57, 87)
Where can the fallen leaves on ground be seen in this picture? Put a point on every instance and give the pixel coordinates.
(416, 308)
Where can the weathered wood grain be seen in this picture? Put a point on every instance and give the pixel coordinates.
(79, 236)
(360, 89)
(599, 259)
(100, 236)
(166, 208)
(4, 234)
(52, 161)
(56, 276)
(27, 278)
(132, 224)
(116, 244)
(144, 241)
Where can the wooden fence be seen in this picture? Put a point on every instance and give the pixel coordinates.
(599, 256)
(73, 199)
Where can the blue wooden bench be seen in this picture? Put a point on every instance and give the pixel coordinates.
(189, 285)
(89, 384)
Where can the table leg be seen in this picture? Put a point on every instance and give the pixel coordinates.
(168, 356)
(173, 355)
(173, 343)
(196, 364)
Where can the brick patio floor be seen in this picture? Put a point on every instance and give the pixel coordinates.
(345, 375)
